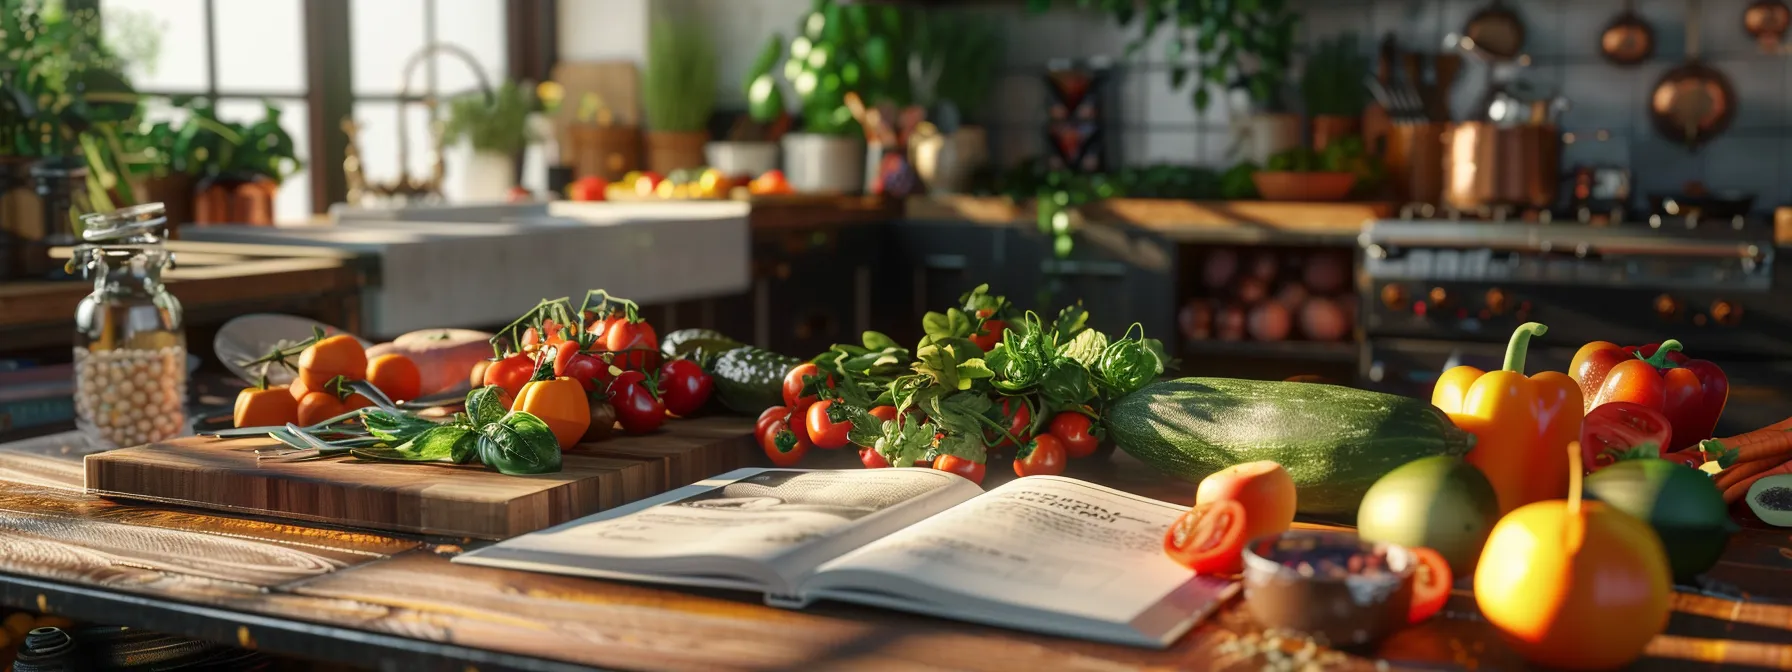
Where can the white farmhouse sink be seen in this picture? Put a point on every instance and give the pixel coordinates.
(468, 273)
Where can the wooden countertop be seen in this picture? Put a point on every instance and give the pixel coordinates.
(395, 602)
(1220, 222)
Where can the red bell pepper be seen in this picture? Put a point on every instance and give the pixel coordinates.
(1689, 392)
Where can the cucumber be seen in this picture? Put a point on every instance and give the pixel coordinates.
(750, 380)
(679, 342)
(1334, 441)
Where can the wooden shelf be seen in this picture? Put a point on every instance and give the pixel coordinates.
(1309, 351)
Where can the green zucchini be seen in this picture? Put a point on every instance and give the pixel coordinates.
(684, 340)
(1334, 441)
(750, 380)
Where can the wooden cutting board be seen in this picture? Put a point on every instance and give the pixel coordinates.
(448, 500)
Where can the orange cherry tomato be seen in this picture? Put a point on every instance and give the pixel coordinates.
(1209, 538)
(319, 406)
(396, 375)
(339, 355)
(510, 373)
(265, 407)
(962, 467)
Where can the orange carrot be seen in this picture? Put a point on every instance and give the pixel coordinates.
(1740, 488)
(1741, 470)
(1760, 444)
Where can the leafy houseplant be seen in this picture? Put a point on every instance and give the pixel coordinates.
(240, 165)
(838, 49)
(498, 125)
(678, 94)
(1224, 42)
(949, 75)
(1332, 88)
(751, 148)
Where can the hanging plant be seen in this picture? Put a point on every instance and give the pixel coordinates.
(1230, 43)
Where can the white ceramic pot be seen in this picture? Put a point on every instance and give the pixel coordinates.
(477, 177)
(741, 159)
(824, 163)
(946, 163)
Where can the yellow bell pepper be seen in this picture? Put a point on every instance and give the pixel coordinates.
(1522, 426)
(561, 403)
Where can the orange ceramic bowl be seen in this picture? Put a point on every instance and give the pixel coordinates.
(1281, 185)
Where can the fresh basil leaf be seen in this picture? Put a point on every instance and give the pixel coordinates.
(519, 444)
(866, 430)
(465, 449)
(936, 325)
(1066, 383)
(1070, 321)
(434, 445)
(1086, 348)
(972, 370)
(485, 405)
(877, 341)
(395, 428)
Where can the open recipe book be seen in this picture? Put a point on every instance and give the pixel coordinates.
(1043, 553)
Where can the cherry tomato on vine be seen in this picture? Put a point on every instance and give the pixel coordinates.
(990, 333)
(556, 335)
(767, 416)
(638, 338)
(510, 373)
(873, 459)
(884, 413)
(1019, 418)
(685, 386)
(591, 371)
(783, 447)
(793, 386)
(636, 407)
(1044, 456)
(1073, 430)
(1208, 538)
(962, 467)
(827, 425)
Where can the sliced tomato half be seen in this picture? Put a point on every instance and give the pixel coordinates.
(1208, 538)
(1431, 583)
(1619, 427)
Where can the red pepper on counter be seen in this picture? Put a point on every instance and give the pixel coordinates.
(1690, 392)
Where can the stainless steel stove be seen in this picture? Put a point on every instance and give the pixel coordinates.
(1440, 292)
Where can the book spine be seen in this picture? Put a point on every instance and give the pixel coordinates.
(30, 413)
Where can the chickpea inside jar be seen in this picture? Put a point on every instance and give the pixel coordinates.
(130, 352)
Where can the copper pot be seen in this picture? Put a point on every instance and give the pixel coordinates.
(1488, 166)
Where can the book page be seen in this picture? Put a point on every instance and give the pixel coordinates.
(788, 520)
(1042, 543)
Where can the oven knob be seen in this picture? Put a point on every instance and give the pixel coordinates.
(1439, 297)
(1667, 307)
(1394, 297)
(1496, 300)
(1726, 313)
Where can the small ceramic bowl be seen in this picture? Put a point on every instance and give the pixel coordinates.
(1328, 585)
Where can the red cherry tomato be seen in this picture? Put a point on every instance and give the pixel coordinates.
(1019, 418)
(767, 416)
(1043, 456)
(783, 447)
(588, 188)
(793, 386)
(825, 429)
(642, 346)
(1208, 538)
(597, 326)
(1617, 427)
(990, 332)
(1431, 582)
(884, 413)
(510, 373)
(636, 407)
(1074, 431)
(591, 371)
(556, 335)
(960, 466)
(685, 386)
(873, 459)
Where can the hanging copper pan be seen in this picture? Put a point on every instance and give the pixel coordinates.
(1694, 102)
(1628, 40)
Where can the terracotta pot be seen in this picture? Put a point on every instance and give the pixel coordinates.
(1281, 185)
(668, 150)
(1329, 127)
(608, 152)
(175, 192)
(235, 199)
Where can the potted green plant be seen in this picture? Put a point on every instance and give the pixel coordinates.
(678, 95)
(1332, 88)
(949, 75)
(840, 49)
(240, 165)
(487, 134)
(1243, 46)
(751, 148)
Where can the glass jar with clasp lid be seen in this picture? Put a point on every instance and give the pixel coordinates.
(130, 352)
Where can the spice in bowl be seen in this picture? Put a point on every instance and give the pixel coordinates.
(1332, 586)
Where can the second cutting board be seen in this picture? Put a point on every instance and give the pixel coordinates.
(449, 500)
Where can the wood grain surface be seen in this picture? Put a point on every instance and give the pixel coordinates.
(453, 500)
(395, 602)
